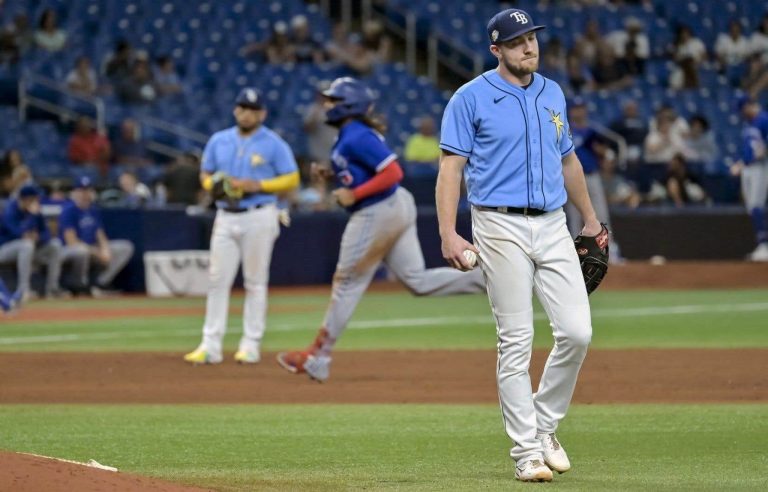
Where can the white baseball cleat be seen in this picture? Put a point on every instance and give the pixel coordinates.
(533, 471)
(554, 454)
(760, 253)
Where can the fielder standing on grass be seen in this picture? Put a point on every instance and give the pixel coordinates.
(244, 167)
(507, 131)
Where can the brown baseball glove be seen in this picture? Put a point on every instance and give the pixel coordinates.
(593, 257)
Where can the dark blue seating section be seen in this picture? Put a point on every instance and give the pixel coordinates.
(204, 38)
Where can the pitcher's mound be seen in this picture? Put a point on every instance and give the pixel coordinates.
(28, 473)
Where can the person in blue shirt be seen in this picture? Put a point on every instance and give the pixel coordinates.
(86, 245)
(507, 132)
(753, 168)
(25, 240)
(592, 150)
(381, 227)
(262, 166)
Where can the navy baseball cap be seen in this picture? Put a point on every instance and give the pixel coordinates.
(29, 190)
(83, 182)
(510, 24)
(250, 98)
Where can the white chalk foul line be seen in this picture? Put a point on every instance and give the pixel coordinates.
(394, 323)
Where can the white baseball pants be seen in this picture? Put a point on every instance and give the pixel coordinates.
(521, 255)
(247, 236)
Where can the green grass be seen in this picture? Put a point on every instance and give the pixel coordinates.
(416, 447)
(399, 321)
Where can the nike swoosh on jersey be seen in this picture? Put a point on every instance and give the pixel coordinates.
(496, 101)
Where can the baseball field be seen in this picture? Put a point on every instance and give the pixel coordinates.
(673, 394)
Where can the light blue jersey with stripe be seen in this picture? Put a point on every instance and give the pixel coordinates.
(261, 155)
(514, 140)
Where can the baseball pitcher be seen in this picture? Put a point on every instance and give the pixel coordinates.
(507, 132)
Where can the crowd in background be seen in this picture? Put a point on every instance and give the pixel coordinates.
(684, 148)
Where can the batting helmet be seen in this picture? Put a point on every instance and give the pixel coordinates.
(354, 99)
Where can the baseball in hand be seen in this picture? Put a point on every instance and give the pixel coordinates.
(471, 257)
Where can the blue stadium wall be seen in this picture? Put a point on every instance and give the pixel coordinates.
(306, 252)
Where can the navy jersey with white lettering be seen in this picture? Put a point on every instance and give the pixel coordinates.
(358, 154)
(514, 139)
(754, 138)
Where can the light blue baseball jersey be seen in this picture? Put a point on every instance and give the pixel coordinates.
(754, 138)
(262, 155)
(514, 140)
(357, 156)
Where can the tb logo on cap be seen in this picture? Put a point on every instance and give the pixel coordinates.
(519, 17)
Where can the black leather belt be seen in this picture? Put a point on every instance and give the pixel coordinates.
(532, 212)
(236, 210)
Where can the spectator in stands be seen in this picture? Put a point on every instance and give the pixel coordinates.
(679, 124)
(607, 71)
(588, 44)
(181, 181)
(701, 145)
(88, 147)
(24, 37)
(682, 187)
(82, 78)
(48, 36)
(578, 74)
(128, 149)
(618, 189)
(167, 80)
(117, 66)
(759, 39)
(732, 49)
(86, 245)
(134, 193)
(357, 57)
(686, 45)
(634, 130)
(139, 87)
(423, 147)
(279, 47)
(663, 142)
(320, 136)
(688, 52)
(338, 43)
(25, 240)
(630, 46)
(314, 195)
(307, 49)
(554, 61)
(376, 41)
(13, 173)
(755, 79)
(9, 51)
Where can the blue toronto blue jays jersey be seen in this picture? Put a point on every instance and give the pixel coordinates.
(754, 136)
(514, 140)
(16, 222)
(583, 138)
(261, 155)
(84, 222)
(358, 154)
